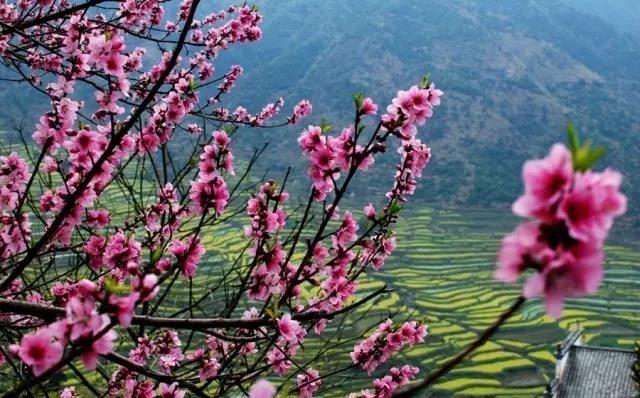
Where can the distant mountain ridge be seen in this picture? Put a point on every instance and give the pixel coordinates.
(514, 73)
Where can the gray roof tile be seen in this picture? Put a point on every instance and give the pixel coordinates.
(594, 372)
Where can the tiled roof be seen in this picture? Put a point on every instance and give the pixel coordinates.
(594, 372)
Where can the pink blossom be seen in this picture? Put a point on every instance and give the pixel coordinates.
(170, 360)
(188, 253)
(414, 158)
(301, 110)
(147, 287)
(573, 213)
(211, 194)
(382, 343)
(592, 204)
(385, 386)
(545, 182)
(98, 218)
(101, 346)
(209, 369)
(262, 389)
(521, 249)
(125, 307)
(290, 329)
(170, 391)
(14, 173)
(370, 211)
(278, 361)
(122, 252)
(69, 392)
(347, 232)
(308, 383)
(571, 273)
(39, 351)
(82, 317)
(368, 107)
(411, 108)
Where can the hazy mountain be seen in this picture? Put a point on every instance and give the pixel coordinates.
(624, 15)
(514, 73)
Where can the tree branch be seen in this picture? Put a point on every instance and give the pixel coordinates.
(49, 313)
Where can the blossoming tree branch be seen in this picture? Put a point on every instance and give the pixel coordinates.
(85, 278)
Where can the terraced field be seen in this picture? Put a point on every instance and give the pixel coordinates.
(441, 274)
(442, 271)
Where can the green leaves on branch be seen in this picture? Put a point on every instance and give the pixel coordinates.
(426, 80)
(156, 255)
(394, 208)
(357, 100)
(113, 287)
(272, 308)
(325, 127)
(228, 128)
(584, 155)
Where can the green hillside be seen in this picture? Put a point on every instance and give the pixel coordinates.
(514, 73)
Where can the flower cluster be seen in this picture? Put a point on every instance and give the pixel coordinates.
(385, 386)
(308, 383)
(166, 115)
(301, 110)
(15, 230)
(210, 189)
(262, 389)
(378, 248)
(330, 156)
(572, 212)
(414, 158)
(411, 108)
(188, 254)
(82, 325)
(384, 341)
(119, 253)
(269, 273)
(338, 286)
(166, 214)
(291, 336)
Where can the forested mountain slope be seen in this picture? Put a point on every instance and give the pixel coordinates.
(514, 73)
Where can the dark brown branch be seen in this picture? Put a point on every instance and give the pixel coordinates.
(126, 363)
(49, 313)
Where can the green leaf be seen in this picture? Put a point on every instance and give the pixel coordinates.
(357, 100)
(113, 287)
(325, 127)
(572, 138)
(593, 156)
(584, 156)
(156, 254)
(273, 310)
(394, 208)
(426, 80)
